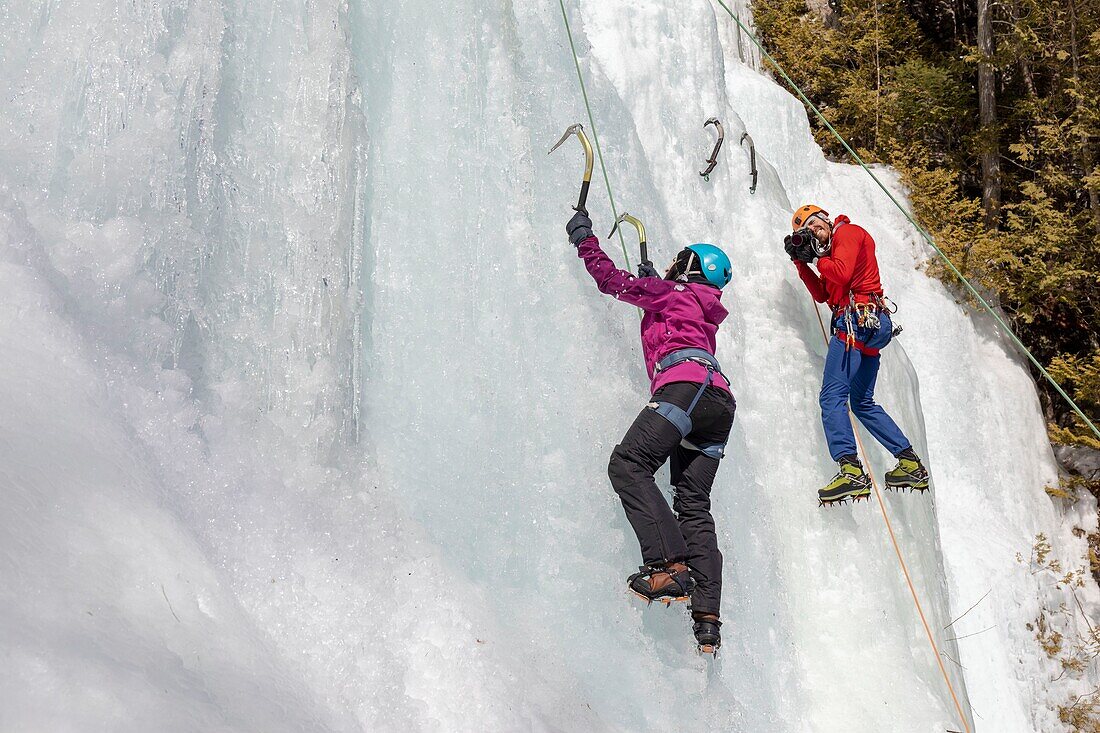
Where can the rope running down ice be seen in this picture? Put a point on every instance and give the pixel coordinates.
(855, 429)
(897, 550)
(927, 237)
(592, 124)
(878, 493)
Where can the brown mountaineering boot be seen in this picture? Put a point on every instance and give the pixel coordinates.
(706, 630)
(666, 583)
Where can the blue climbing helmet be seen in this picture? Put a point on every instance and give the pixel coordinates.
(713, 264)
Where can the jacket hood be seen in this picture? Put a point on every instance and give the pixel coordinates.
(710, 299)
(841, 219)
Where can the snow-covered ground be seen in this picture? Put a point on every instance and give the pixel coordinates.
(308, 402)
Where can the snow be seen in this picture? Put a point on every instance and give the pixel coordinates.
(310, 401)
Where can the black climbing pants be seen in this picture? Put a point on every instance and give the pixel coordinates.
(684, 532)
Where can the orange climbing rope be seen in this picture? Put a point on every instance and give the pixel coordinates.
(897, 551)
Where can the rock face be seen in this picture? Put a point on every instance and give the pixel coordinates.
(828, 10)
(1079, 459)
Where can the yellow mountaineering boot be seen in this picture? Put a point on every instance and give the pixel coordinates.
(908, 474)
(850, 483)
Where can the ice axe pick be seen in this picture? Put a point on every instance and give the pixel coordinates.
(578, 130)
(641, 235)
(713, 159)
(752, 158)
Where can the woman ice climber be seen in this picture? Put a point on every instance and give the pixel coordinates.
(688, 419)
(849, 283)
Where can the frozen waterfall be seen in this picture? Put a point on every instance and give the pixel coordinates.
(308, 401)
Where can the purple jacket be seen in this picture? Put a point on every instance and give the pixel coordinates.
(677, 315)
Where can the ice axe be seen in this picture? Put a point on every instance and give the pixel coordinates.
(752, 158)
(713, 159)
(641, 236)
(578, 130)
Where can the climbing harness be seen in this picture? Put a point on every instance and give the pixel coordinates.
(844, 328)
(862, 311)
(752, 159)
(867, 316)
(923, 232)
(578, 130)
(713, 159)
(890, 307)
(645, 262)
(680, 418)
(865, 313)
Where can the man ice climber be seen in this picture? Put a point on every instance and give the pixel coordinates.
(847, 278)
(688, 419)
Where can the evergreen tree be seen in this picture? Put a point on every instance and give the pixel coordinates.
(900, 81)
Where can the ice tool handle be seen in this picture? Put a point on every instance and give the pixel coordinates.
(752, 159)
(641, 235)
(713, 159)
(589, 160)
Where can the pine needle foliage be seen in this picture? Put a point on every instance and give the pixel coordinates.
(898, 79)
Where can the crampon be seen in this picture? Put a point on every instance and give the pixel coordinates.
(844, 500)
(910, 474)
(708, 637)
(851, 483)
(663, 584)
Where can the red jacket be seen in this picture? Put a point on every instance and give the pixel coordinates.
(851, 268)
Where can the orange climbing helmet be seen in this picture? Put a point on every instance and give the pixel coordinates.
(803, 213)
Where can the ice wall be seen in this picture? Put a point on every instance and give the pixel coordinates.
(317, 399)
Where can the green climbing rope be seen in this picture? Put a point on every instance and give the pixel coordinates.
(927, 237)
(592, 124)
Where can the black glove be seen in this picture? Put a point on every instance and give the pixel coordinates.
(788, 245)
(646, 269)
(804, 253)
(579, 228)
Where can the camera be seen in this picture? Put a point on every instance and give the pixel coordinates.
(801, 238)
(803, 245)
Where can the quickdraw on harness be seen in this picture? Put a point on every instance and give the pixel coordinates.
(862, 314)
(680, 418)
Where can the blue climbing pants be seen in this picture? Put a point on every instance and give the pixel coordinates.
(850, 377)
